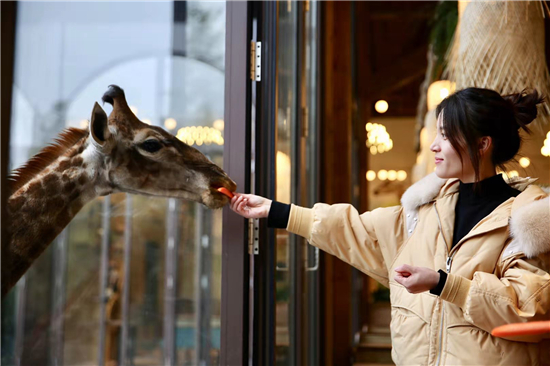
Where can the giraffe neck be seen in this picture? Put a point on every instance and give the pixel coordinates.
(45, 205)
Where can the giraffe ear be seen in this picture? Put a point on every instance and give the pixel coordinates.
(98, 125)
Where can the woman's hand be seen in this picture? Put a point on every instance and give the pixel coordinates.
(250, 205)
(416, 279)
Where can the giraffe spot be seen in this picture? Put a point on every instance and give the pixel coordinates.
(74, 195)
(33, 188)
(64, 217)
(56, 203)
(82, 180)
(15, 204)
(77, 161)
(69, 187)
(65, 164)
(50, 181)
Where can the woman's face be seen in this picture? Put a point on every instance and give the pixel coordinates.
(447, 159)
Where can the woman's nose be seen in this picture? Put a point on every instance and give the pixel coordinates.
(434, 147)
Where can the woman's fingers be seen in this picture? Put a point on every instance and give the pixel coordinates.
(242, 204)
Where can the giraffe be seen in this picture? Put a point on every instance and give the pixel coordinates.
(118, 153)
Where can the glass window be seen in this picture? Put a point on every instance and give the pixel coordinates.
(161, 258)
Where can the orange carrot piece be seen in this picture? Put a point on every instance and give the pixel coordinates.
(518, 329)
(226, 192)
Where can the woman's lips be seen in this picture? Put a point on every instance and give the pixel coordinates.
(437, 161)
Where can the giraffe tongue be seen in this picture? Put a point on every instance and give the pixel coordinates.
(226, 191)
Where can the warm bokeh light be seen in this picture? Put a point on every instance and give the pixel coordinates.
(513, 173)
(219, 124)
(84, 123)
(146, 121)
(371, 175)
(545, 150)
(381, 106)
(437, 91)
(134, 109)
(524, 162)
(382, 174)
(378, 139)
(392, 175)
(200, 135)
(401, 175)
(170, 123)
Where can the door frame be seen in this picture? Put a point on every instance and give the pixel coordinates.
(235, 268)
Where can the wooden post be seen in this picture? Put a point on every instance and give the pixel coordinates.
(337, 131)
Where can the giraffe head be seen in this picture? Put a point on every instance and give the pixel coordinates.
(138, 158)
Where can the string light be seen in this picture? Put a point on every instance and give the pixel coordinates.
(524, 162)
(401, 175)
(371, 175)
(200, 135)
(390, 175)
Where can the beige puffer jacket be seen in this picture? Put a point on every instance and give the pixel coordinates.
(497, 273)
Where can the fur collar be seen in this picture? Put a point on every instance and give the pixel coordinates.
(530, 216)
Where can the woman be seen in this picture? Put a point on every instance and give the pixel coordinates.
(463, 254)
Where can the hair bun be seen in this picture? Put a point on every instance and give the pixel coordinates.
(525, 106)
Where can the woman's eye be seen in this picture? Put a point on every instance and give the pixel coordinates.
(151, 146)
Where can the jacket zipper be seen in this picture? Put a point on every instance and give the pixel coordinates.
(448, 263)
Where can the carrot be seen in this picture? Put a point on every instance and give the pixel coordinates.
(226, 192)
(517, 329)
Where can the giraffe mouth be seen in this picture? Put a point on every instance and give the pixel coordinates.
(167, 192)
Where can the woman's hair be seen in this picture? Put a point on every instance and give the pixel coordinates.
(472, 113)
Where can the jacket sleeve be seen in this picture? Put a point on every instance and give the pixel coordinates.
(520, 294)
(368, 241)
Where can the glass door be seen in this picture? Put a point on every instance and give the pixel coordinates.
(296, 166)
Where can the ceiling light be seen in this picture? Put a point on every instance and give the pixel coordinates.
(381, 106)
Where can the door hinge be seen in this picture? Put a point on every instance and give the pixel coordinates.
(253, 236)
(256, 61)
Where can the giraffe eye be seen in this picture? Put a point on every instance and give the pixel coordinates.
(151, 146)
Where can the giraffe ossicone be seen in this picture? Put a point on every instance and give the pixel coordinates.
(117, 153)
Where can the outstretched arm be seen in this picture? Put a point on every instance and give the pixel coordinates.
(366, 241)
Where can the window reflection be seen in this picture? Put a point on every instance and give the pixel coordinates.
(169, 58)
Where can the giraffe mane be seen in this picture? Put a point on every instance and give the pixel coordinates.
(22, 175)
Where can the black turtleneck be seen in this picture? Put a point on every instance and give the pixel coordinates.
(472, 206)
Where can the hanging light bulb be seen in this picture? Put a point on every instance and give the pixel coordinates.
(381, 106)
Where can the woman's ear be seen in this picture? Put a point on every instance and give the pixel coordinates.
(485, 144)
